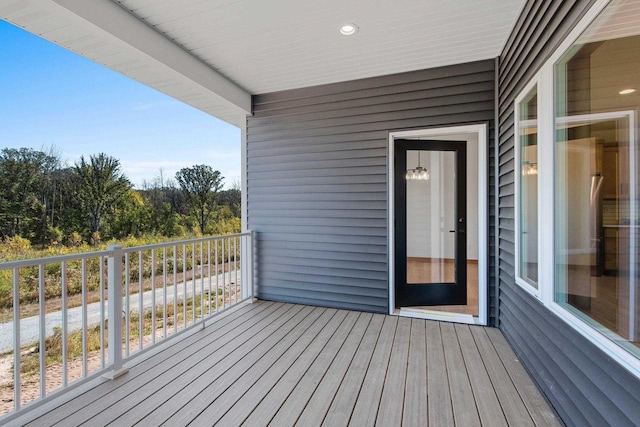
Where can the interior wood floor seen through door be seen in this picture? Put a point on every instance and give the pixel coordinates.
(421, 270)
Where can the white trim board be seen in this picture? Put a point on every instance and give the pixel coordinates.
(441, 316)
(481, 130)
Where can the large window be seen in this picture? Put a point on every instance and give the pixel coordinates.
(578, 185)
(527, 182)
(596, 179)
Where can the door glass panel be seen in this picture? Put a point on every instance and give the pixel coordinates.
(431, 218)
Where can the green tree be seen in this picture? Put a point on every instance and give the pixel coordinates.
(167, 204)
(25, 182)
(99, 186)
(64, 207)
(132, 216)
(232, 198)
(200, 184)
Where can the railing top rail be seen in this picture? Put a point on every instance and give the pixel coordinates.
(183, 242)
(107, 252)
(50, 260)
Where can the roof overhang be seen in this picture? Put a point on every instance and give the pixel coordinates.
(103, 31)
(214, 54)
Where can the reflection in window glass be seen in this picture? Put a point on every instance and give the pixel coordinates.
(528, 191)
(596, 178)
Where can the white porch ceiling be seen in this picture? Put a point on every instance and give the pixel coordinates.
(215, 53)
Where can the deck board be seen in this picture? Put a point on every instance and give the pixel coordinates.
(438, 393)
(96, 398)
(317, 407)
(271, 368)
(484, 394)
(277, 395)
(529, 393)
(366, 408)
(462, 399)
(344, 400)
(415, 394)
(201, 389)
(252, 396)
(391, 402)
(172, 390)
(283, 364)
(291, 409)
(514, 411)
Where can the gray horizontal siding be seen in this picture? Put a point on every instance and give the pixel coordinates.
(317, 184)
(584, 385)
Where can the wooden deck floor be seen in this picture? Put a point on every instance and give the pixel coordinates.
(283, 364)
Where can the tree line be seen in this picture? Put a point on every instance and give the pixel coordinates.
(48, 202)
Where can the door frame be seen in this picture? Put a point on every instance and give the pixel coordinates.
(481, 131)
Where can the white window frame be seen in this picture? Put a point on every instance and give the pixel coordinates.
(546, 198)
(524, 284)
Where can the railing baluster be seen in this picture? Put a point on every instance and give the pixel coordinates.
(16, 339)
(224, 276)
(184, 285)
(217, 242)
(175, 290)
(164, 292)
(126, 305)
(209, 273)
(193, 282)
(101, 260)
(153, 296)
(43, 332)
(85, 321)
(235, 266)
(64, 324)
(201, 285)
(140, 303)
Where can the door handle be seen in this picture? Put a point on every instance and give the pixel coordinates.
(452, 231)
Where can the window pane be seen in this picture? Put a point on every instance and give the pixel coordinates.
(596, 178)
(528, 191)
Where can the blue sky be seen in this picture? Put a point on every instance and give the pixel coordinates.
(50, 96)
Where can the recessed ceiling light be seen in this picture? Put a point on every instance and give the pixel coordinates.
(626, 91)
(348, 29)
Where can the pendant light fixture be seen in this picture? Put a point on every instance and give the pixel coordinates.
(529, 168)
(419, 173)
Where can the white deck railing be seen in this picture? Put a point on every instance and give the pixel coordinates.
(152, 292)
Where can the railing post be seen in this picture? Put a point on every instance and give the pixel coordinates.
(114, 291)
(246, 267)
(250, 265)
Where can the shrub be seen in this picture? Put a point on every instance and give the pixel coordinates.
(15, 247)
(73, 240)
